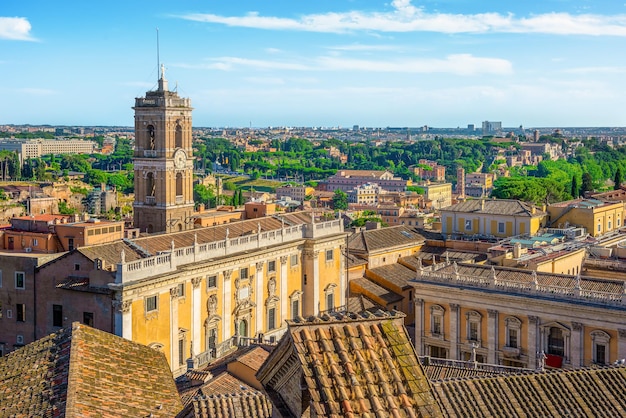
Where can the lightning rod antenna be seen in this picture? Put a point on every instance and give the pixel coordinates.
(158, 59)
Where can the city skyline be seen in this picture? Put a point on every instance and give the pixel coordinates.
(327, 63)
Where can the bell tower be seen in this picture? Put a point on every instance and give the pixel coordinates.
(163, 161)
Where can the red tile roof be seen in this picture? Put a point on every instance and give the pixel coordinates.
(353, 365)
(81, 371)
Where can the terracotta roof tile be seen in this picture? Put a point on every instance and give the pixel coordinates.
(254, 358)
(366, 286)
(395, 274)
(384, 238)
(495, 207)
(357, 365)
(572, 393)
(82, 371)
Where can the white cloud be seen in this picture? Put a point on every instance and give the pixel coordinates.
(34, 91)
(596, 70)
(365, 48)
(15, 29)
(404, 17)
(460, 64)
(272, 81)
(229, 63)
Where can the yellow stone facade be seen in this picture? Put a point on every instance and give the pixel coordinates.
(510, 316)
(596, 216)
(193, 301)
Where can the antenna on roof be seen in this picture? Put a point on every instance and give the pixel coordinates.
(158, 60)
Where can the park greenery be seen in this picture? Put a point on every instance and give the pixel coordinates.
(593, 165)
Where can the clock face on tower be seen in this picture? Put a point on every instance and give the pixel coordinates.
(180, 158)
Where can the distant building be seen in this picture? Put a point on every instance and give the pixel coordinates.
(35, 148)
(101, 200)
(460, 181)
(479, 184)
(365, 194)
(499, 218)
(440, 194)
(345, 180)
(435, 173)
(299, 192)
(491, 128)
(598, 217)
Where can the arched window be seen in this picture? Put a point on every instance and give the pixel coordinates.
(179, 184)
(151, 137)
(150, 184)
(179, 136)
(243, 328)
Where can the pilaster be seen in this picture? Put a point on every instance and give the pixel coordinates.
(492, 335)
(621, 344)
(258, 275)
(196, 315)
(419, 326)
(577, 356)
(174, 328)
(283, 288)
(454, 331)
(226, 305)
(534, 346)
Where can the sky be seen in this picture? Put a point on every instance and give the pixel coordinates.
(322, 63)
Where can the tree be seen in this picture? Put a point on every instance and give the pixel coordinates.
(587, 185)
(575, 190)
(340, 200)
(618, 179)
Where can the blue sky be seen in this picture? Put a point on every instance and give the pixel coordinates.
(373, 63)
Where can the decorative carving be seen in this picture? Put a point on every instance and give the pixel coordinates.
(271, 287)
(577, 326)
(283, 259)
(174, 292)
(533, 319)
(211, 305)
(227, 274)
(122, 306)
(622, 333)
(195, 282)
(311, 253)
(492, 313)
(418, 301)
(122, 257)
(454, 307)
(259, 265)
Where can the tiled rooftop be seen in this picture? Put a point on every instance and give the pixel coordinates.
(362, 284)
(494, 207)
(384, 238)
(252, 404)
(573, 393)
(81, 371)
(356, 365)
(396, 274)
(216, 392)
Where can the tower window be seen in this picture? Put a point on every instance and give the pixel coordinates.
(151, 137)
